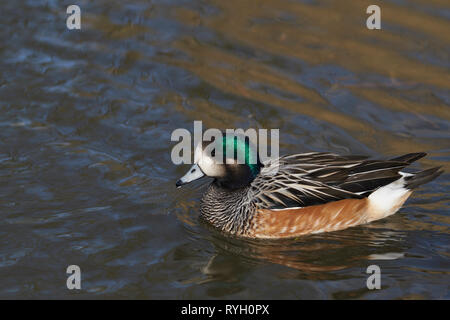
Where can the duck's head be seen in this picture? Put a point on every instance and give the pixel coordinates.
(233, 161)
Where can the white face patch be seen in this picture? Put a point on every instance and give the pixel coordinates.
(207, 163)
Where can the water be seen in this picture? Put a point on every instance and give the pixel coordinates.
(86, 117)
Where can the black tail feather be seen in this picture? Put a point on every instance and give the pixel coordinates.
(422, 177)
(410, 157)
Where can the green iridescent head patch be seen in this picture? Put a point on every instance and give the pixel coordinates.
(240, 149)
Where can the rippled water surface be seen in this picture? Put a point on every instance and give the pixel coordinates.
(86, 117)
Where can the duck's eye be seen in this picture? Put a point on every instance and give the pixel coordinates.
(213, 153)
(193, 170)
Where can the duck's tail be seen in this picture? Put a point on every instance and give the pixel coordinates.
(413, 180)
(389, 198)
(416, 179)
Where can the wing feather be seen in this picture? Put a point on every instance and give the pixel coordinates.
(318, 177)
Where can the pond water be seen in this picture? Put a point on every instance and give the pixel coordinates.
(86, 117)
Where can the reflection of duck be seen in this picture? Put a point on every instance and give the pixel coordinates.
(315, 257)
(302, 193)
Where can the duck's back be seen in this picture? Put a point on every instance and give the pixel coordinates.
(320, 192)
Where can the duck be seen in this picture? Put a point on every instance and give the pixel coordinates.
(299, 194)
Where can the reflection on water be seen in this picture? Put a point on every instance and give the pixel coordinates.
(86, 118)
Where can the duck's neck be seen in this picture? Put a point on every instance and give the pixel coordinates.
(229, 210)
(238, 176)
